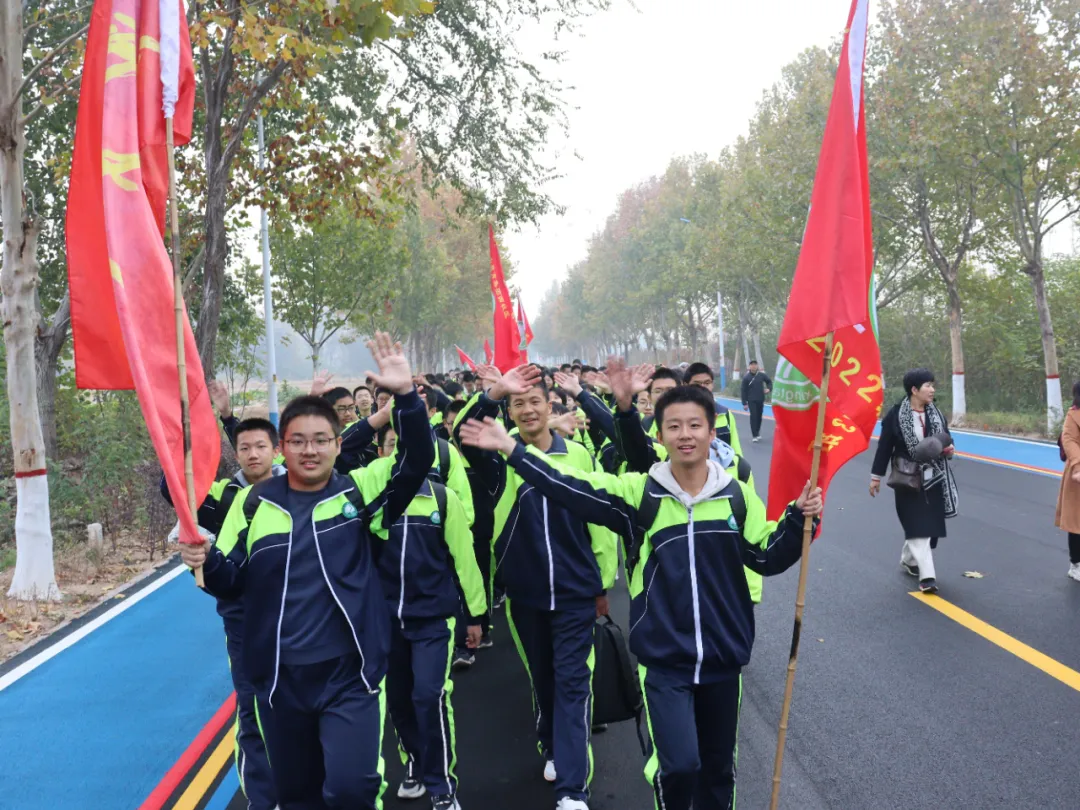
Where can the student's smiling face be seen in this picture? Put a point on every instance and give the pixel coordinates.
(685, 433)
(530, 412)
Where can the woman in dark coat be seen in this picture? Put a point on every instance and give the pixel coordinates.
(922, 512)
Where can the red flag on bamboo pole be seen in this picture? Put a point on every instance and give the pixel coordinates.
(507, 354)
(464, 358)
(119, 272)
(832, 292)
(524, 330)
(489, 355)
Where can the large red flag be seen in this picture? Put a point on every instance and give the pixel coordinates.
(489, 355)
(464, 358)
(831, 292)
(119, 272)
(507, 353)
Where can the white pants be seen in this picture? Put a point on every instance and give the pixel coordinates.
(917, 552)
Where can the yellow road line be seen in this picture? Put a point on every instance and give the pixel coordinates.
(1055, 669)
(199, 786)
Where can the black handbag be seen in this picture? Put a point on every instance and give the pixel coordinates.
(905, 474)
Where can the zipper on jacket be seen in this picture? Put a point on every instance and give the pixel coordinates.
(694, 595)
(333, 593)
(281, 613)
(551, 557)
(404, 548)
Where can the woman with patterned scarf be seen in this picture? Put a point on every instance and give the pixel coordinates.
(915, 432)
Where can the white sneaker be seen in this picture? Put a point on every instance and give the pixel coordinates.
(566, 803)
(411, 789)
(549, 772)
(1074, 571)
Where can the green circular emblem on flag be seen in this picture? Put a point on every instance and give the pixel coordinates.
(436, 518)
(732, 523)
(349, 511)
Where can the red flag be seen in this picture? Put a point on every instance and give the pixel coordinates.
(832, 291)
(119, 272)
(524, 330)
(506, 331)
(464, 358)
(489, 355)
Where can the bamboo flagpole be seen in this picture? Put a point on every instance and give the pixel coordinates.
(178, 309)
(804, 567)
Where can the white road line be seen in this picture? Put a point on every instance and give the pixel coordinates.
(54, 650)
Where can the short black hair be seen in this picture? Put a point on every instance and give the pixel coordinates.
(380, 436)
(917, 378)
(559, 409)
(334, 394)
(662, 373)
(694, 369)
(468, 377)
(309, 406)
(754, 362)
(587, 369)
(693, 394)
(455, 407)
(360, 388)
(381, 390)
(561, 394)
(539, 384)
(257, 423)
(452, 389)
(564, 367)
(431, 397)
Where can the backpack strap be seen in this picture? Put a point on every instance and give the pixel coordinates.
(444, 459)
(646, 517)
(227, 498)
(734, 491)
(439, 491)
(743, 470)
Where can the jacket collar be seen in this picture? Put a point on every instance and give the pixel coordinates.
(276, 489)
(241, 481)
(716, 482)
(558, 444)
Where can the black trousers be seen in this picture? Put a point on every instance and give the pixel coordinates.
(1074, 548)
(756, 409)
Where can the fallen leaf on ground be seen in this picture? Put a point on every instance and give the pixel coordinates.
(14, 635)
(973, 575)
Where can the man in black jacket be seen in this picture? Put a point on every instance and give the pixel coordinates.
(755, 387)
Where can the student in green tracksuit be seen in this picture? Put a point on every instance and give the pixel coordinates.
(300, 551)
(556, 569)
(428, 556)
(689, 529)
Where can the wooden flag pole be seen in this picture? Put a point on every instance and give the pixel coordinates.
(178, 309)
(804, 567)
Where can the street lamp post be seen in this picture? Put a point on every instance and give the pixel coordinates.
(268, 304)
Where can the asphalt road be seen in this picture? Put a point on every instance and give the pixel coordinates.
(896, 705)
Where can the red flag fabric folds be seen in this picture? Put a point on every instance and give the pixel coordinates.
(507, 352)
(464, 358)
(831, 292)
(489, 355)
(119, 272)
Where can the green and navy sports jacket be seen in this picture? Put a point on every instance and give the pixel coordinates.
(690, 613)
(546, 558)
(427, 555)
(251, 560)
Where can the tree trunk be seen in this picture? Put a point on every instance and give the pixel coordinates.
(47, 349)
(217, 252)
(1054, 411)
(757, 348)
(956, 342)
(34, 574)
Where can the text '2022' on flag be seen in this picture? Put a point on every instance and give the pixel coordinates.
(507, 339)
(119, 273)
(831, 293)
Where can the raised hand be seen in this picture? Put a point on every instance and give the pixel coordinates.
(515, 381)
(488, 376)
(381, 417)
(219, 396)
(641, 376)
(487, 435)
(394, 372)
(568, 383)
(621, 380)
(601, 381)
(320, 383)
(566, 424)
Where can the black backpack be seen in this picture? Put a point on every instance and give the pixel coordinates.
(443, 447)
(616, 689)
(650, 506)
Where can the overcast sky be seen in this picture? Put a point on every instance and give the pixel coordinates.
(651, 83)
